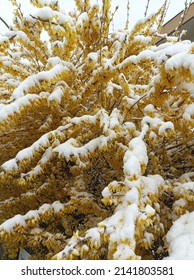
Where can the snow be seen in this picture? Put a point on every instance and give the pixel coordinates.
(180, 203)
(46, 156)
(135, 157)
(68, 149)
(44, 13)
(63, 19)
(15, 107)
(121, 226)
(149, 108)
(156, 122)
(150, 211)
(131, 165)
(152, 183)
(180, 238)
(93, 56)
(28, 152)
(11, 223)
(130, 126)
(22, 35)
(165, 126)
(184, 60)
(106, 192)
(114, 119)
(71, 147)
(25, 153)
(118, 229)
(111, 86)
(130, 184)
(123, 252)
(189, 112)
(142, 39)
(42, 2)
(21, 220)
(104, 121)
(152, 122)
(36, 170)
(93, 233)
(152, 135)
(9, 165)
(82, 18)
(173, 55)
(57, 206)
(148, 238)
(31, 214)
(187, 176)
(4, 39)
(85, 118)
(35, 80)
(132, 196)
(188, 186)
(56, 95)
(45, 207)
(45, 2)
(189, 87)
(54, 60)
(70, 247)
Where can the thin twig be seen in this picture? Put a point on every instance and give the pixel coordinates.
(144, 95)
(147, 6)
(164, 11)
(4, 22)
(128, 9)
(185, 11)
(19, 8)
(112, 17)
(101, 30)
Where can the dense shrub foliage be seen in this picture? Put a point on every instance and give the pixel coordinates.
(96, 136)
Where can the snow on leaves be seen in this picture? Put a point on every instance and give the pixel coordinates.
(96, 136)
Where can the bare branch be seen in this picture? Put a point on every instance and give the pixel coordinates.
(4, 22)
(185, 11)
(112, 17)
(128, 9)
(147, 6)
(164, 11)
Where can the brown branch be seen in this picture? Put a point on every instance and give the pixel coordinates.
(144, 95)
(47, 21)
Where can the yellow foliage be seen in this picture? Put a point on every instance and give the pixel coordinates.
(96, 131)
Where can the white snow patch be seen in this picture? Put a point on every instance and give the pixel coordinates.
(180, 238)
(149, 210)
(134, 157)
(82, 18)
(57, 94)
(44, 13)
(189, 112)
(9, 165)
(16, 106)
(37, 79)
(93, 233)
(152, 183)
(93, 56)
(165, 126)
(132, 196)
